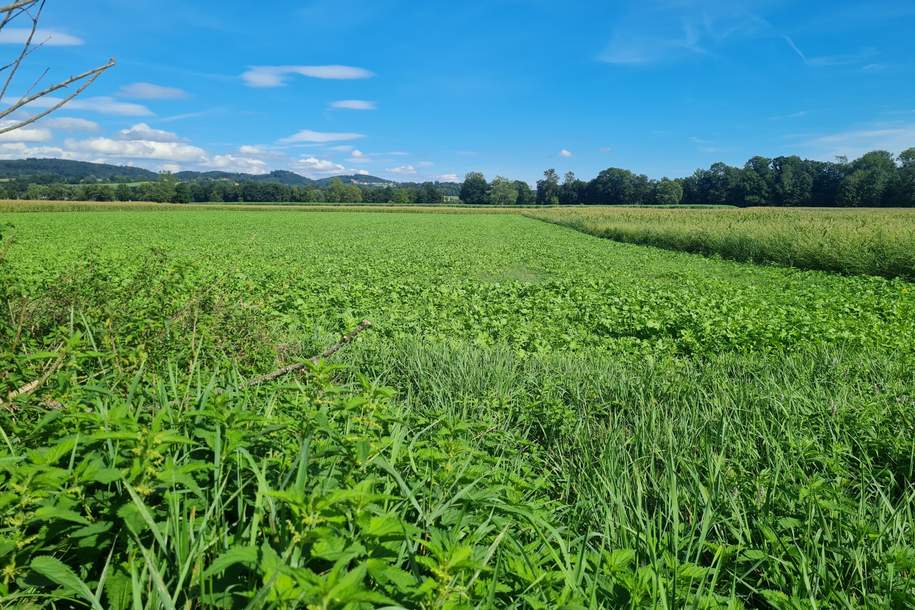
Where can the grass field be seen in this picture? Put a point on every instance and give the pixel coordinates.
(862, 241)
(538, 418)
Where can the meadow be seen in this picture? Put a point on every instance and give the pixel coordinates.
(855, 241)
(537, 418)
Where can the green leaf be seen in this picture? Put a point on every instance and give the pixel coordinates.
(57, 572)
(237, 554)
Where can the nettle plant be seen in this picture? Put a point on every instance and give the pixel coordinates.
(310, 495)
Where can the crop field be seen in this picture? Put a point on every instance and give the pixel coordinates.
(537, 417)
(866, 241)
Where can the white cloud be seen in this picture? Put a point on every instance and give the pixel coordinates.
(853, 143)
(565, 153)
(277, 76)
(404, 170)
(49, 38)
(448, 178)
(101, 105)
(307, 135)
(142, 131)
(25, 134)
(313, 165)
(357, 154)
(21, 150)
(150, 91)
(71, 124)
(232, 163)
(247, 149)
(140, 149)
(354, 105)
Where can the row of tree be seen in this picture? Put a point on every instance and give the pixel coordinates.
(876, 179)
(169, 190)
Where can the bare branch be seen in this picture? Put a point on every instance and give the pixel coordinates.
(333, 349)
(9, 12)
(25, 51)
(89, 76)
(20, 4)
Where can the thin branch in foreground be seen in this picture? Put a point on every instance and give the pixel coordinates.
(32, 385)
(89, 78)
(330, 351)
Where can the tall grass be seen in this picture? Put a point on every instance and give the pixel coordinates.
(755, 479)
(866, 241)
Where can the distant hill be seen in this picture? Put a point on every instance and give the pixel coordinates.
(82, 171)
(73, 171)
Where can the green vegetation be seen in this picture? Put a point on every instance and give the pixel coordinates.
(875, 242)
(571, 422)
(877, 179)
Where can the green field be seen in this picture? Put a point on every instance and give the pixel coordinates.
(538, 418)
(868, 241)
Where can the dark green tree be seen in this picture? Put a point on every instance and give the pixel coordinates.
(526, 195)
(548, 188)
(474, 190)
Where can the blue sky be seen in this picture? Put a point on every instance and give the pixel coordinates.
(431, 90)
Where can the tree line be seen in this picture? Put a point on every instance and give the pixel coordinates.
(876, 179)
(169, 190)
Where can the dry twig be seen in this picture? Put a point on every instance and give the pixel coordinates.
(333, 349)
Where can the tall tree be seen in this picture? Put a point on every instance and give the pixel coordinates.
(548, 188)
(474, 189)
(572, 191)
(905, 189)
(526, 195)
(502, 192)
(613, 186)
(793, 184)
(668, 192)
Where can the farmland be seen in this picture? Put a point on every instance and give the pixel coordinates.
(538, 417)
(870, 241)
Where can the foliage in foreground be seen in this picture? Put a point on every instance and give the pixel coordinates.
(873, 242)
(777, 473)
(492, 482)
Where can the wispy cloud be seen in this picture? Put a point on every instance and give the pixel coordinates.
(664, 31)
(794, 115)
(706, 146)
(854, 142)
(313, 166)
(150, 91)
(277, 76)
(566, 153)
(403, 170)
(234, 163)
(308, 135)
(49, 38)
(845, 59)
(142, 131)
(354, 105)
(71, 124)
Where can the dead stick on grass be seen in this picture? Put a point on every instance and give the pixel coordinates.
(330, 351)
(32, 385)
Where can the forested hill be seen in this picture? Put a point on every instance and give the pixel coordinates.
(62, 170)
